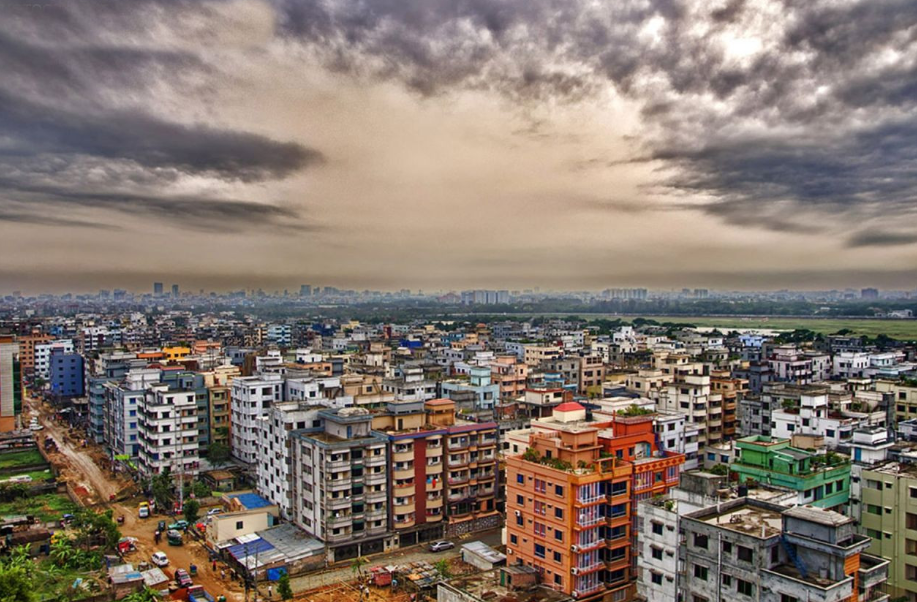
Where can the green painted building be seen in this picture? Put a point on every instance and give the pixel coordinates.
(822, 481)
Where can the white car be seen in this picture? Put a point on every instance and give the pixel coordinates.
(160, 559)
(214, 511)
(36, 427)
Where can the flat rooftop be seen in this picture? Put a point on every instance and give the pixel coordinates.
(749, 520)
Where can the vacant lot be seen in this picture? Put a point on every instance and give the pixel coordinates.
(27, 457)
(45, 507)
(897, 329)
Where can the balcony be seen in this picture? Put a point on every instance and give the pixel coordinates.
(333, 522)
(404, 523)
(405, 473)
(338, 465)
(458, 495)
(332, 538)
(339, 484)
(435, 485)
(873, 571)
(591, 568)
(459, 480)
(403, 456)
(370, 460)
(433, 518)
(402, 509)
(338, 503)
(455, 444)
(588, 521)
(436, 503)
(375, 496)
(434, 452)
(375, 514)
(377, 478)
(458, 462)
(403, 489)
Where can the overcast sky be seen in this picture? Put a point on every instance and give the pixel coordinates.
(448, 144)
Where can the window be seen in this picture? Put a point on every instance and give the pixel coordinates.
(239, 524)
(520, 500)
(727, 547)
(829, 433)
(727, 580)
(657, 553)
(911, 520)
(700, 541)
(519, 520)
(559, 513)
(697, 598)
(556, 556)
(558, 580)
(513, 539)
(520, 479)
(745, 554)
(539, 550)
(558, 490)
(657, 528)
(745, 587)
(873, 509)
(657, 578)
(700, 572)
(558, 535)
(912, 492)
(788, 598)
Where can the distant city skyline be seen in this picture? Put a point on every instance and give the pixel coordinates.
(449, 145)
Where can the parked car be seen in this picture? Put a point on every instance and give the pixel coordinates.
(213, 511)
(161, 526)
(36, 427)
(179, 525)
(143, 511)
(183, 578)
(160, 559)
(439, 546)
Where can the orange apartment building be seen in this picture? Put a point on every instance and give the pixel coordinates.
(732, 390)
(510, 374)
(27, 350)
(571, 500)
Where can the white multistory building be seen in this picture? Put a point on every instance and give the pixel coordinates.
(252, 396)
(43, 353)
(167, 431)
(274, 464)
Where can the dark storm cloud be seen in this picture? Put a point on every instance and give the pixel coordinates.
(785, 133)
(878, 238)
(77, 99)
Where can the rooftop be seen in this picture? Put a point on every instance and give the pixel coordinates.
(749, 520)
(822, 516)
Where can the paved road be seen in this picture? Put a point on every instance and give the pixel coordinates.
(345, 573)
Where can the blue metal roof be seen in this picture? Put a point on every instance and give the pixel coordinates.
(252, 500)
(243, 550)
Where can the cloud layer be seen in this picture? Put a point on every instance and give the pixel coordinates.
(786, 126)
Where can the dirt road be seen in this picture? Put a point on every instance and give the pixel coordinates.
(94, 485)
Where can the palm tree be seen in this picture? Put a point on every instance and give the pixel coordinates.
(357, 566)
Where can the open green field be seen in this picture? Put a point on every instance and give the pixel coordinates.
(45, 507)
(27, 457)
(37, 475)
(896, 329)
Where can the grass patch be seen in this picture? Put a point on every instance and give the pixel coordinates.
(45, 507)
(25, 457)
(896, 329)
(37, 475)
(54, 582)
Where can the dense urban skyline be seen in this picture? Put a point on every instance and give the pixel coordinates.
(450, 145)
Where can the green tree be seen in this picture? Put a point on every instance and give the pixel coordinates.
(144, 595)
(15, 585)
(357, 566)
(442, 567)
(163, 489)
(192, 511)
(218, 453)
(283, 587)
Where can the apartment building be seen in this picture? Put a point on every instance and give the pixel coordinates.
(790, 365)
(43, 355)
(902, 395)
(340, 487)
(10, 384)
(745, 549)
(121, 400)
(577, 485)
(251, 397)
(535, 355)
(592, 374)
(478, 386)
(888, 517)
(471, 487)
(805, 411)
(690, 393)
(822, 481)
(416, 433)
(273, 469)
(732, 390)
(508, 373)
(219, 397)
(167, 431)
(27, 349)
